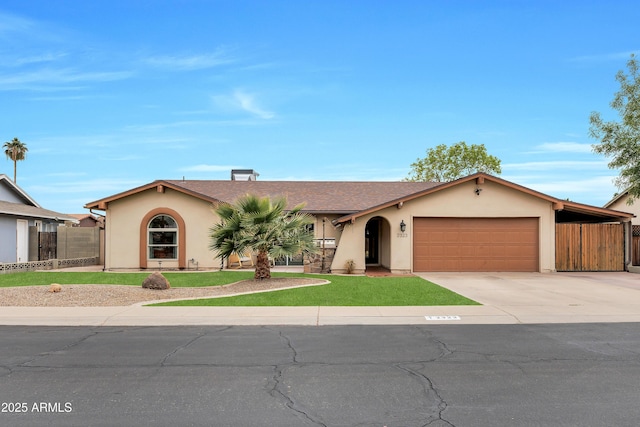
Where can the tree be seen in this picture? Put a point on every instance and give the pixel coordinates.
(15, 150)
(262, 226)
(621, 140)
(444, 163)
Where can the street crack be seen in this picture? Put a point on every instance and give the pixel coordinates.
(429, 389)
(278, 390)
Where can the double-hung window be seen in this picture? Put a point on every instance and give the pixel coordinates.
(162, 237)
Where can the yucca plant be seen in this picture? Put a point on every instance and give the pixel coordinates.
(262, 226)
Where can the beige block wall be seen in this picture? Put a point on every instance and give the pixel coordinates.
(494, 201)
(124, 217)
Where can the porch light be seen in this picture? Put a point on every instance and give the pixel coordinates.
(403, 226)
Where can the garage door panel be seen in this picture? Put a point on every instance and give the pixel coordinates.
(477, 237)
(468, 251)
(475, 244)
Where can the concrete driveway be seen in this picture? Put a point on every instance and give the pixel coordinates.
(547, 297)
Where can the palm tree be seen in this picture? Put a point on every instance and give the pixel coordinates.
(262, 226)
(15, 150)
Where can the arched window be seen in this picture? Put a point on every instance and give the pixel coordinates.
(162, 241)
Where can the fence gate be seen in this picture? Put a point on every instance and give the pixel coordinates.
(589, 247)
(47, 245)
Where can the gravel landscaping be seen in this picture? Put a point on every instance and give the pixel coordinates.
(121, 295)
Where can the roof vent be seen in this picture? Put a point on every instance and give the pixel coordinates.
(244, 175)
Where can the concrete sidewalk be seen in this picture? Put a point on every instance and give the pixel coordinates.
(507, 298)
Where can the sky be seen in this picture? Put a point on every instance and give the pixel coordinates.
(112, 94)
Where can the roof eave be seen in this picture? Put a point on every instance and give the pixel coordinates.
(59, 218)
(597, 211)
(102, 204)
(19, 190)
(617, 198)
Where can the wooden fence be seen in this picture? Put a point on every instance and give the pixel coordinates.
(47, 245)
(635, 245)
(589, 247)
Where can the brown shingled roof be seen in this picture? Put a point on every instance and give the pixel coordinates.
(342, 197)
(352, 199)
(319, 196)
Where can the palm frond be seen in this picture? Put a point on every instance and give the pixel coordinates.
(262, 225)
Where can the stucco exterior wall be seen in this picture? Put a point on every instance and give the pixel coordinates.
(330, 231)
(124, 217)
(495, 201)
(8, 239)
(8, 193)
(350, 247)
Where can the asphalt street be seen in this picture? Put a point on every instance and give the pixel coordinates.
(401, 375)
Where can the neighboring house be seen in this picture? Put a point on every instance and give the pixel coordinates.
(18, 212)
(476, 223)
(88, 220)
(620, 202)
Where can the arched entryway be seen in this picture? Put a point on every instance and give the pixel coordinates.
(377, 244)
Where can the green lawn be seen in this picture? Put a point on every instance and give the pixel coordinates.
(346, 291)
(342, 291)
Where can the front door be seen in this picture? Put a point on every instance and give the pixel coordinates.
(371, 241)
(22, 241)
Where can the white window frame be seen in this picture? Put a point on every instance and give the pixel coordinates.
(158, 246)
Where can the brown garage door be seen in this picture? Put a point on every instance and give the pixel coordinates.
(475, 244)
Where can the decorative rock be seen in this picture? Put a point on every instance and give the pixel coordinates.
(55, 287)
(313, 263)
(156, 281)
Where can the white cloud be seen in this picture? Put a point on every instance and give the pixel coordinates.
(61, 98)
(67, 174)
(613, 56)
(14, 24)
(241, 100)
(124, 158)
(35, 59)
(90, 186)
(248, 103)
(555, 164)
(192, 62)
(595, 190)
(564, 147)
(42, 78)
(21, 30)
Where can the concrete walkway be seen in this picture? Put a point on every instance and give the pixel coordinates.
(507, 298)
